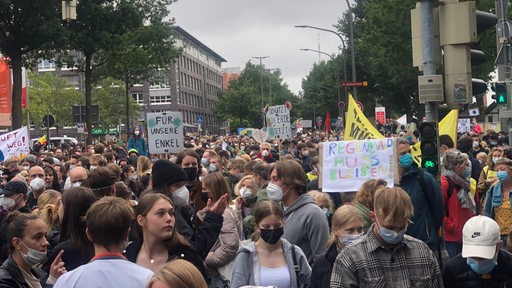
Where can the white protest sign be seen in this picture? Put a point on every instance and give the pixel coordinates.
(165, 132)
(463, 125)
(14, 144)
(260, 135)
(346, 165)
(278, 122)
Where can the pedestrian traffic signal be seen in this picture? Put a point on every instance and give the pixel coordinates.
(501, 93)
(462, 24)
(429, 147)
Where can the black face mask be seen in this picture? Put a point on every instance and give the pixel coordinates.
(191, 173)
(204, 197)
(6, 171)
(271, 236)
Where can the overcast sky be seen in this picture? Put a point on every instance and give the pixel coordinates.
(238, 30)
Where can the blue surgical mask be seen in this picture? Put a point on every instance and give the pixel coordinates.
(347, 239)
(204, 162)
(467, 173)
(495, 159)
(406, 160)
(502, 176)
(482, 267)
(389, 236)
(212, 168)
(326, 211)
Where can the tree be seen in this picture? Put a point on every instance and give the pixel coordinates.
(242, 101)
(108, 95)
(384, 54)
(141, 52)
(51, 94)
(320, 89)
(101, 27)
(29, 30)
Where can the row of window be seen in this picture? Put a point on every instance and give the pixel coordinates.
(160, 99)
(197, 68)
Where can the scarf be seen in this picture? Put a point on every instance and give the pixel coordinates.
(464, 194)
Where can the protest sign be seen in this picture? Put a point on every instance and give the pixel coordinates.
(358, 126)
(14, 144)
(278, 122)
(165, 132)
(346, 165)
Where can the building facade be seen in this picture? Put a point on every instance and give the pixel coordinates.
(190, 84)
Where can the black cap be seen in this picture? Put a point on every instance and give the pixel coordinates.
(14, 187)
(165, 173)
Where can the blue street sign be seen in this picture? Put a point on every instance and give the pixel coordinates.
(199, 118)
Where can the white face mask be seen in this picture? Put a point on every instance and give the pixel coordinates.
(180, 197)
(7, 203)
(133, 177)
(77, 184)
(37, 184)
(26, 167)
(67, 183)
(136, 133)
(93, 167)
(265, 153)
(274, 192)
(33, 257)
(245, 192)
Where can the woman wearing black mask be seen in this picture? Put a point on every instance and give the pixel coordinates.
(275, 257)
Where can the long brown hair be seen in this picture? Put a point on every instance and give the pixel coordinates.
(145, 204)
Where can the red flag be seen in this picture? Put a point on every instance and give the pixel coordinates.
(328, 122)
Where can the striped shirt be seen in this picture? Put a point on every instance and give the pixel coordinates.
(366, 263)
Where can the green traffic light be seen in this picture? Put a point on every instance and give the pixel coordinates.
(502, 99)
(429, 164)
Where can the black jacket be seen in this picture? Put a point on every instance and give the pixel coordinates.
(457, 273)
(207, 232)
(73, 256)
(322, 268)
(11, 277)
(180, 252)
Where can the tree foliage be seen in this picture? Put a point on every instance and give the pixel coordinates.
(51, 94)
(243, 101)
(321, 89)
(109, 95)
(29, 30)
(383, 52)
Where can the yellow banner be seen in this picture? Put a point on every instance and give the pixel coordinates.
(358, 126)
(447, 126)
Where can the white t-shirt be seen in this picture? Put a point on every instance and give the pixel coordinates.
(106, 272)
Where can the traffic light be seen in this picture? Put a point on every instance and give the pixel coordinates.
(461, 24)
(429, 147)
(501, 93)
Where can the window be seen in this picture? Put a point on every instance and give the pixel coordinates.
(160, 80)
(138, 98)
(161, 99)
(46, 65)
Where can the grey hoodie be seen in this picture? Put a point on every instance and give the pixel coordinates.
(305, 225)
(247, 267)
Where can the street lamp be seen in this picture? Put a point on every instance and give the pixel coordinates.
(261, 85)
(344, 63)
(337, 75)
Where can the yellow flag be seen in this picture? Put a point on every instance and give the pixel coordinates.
(448, 125)
(358, 126)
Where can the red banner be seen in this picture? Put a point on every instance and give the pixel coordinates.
(5, 93)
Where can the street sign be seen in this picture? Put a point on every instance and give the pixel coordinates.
(357, 83)
(48, 120)
(199, 118)
(80, 128)
(341, 105)
(360, 105)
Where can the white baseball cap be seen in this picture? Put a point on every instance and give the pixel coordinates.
(480, 236)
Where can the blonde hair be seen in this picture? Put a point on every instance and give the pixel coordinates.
(240, 183)
(393, 203)
(143, 166)
(319, 195)
(47, 211)
(342, 216)
(179, 274)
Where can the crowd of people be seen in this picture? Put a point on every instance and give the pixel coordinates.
(230, 212)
